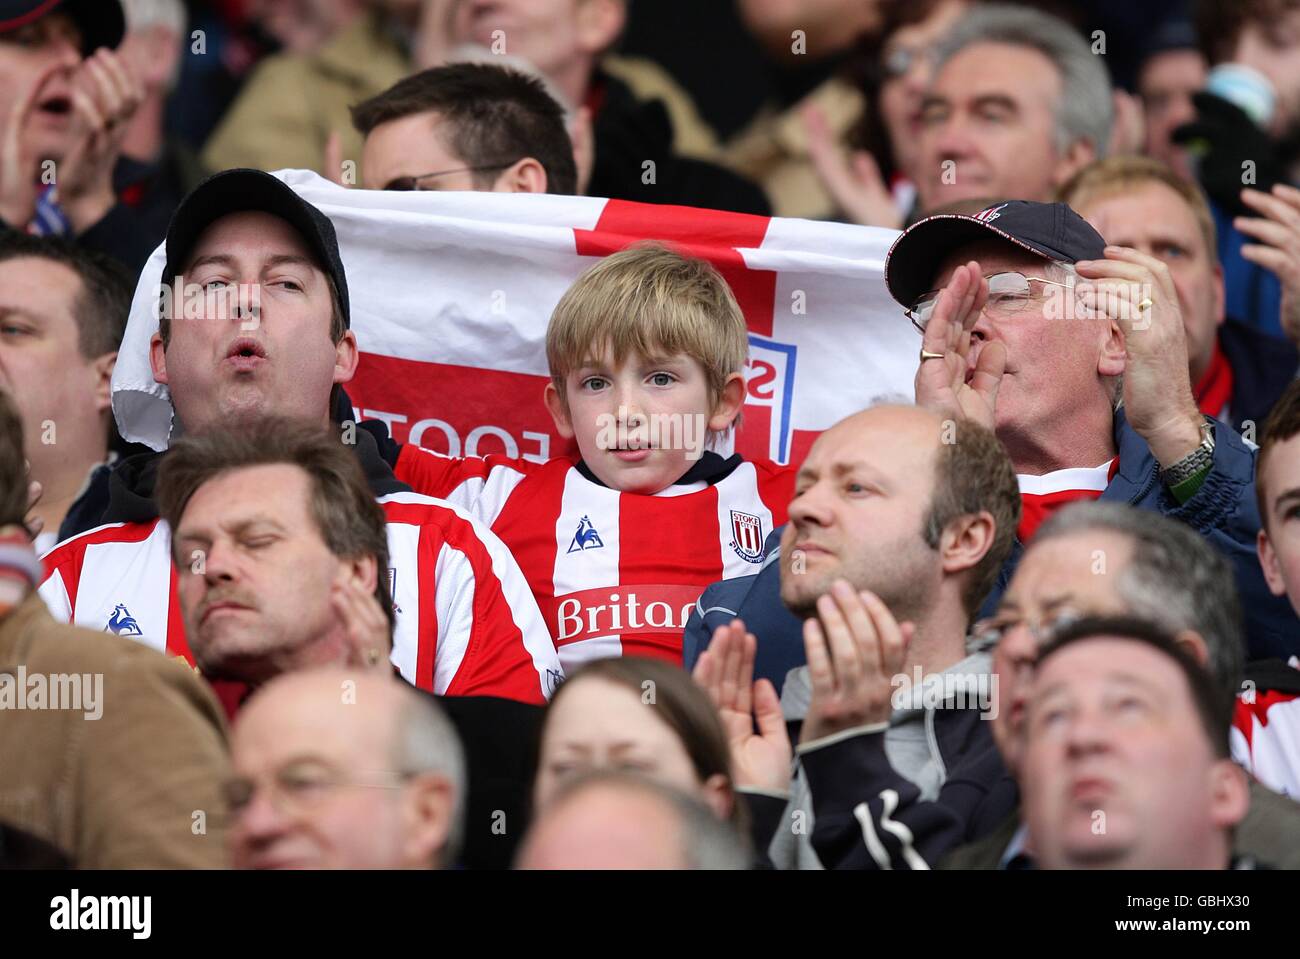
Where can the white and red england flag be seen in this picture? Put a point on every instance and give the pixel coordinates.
(465, 623)
(451, 294)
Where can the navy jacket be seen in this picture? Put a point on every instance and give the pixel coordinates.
(851, 780)
(1253, 293)
(1263, 366)
(1223, 511)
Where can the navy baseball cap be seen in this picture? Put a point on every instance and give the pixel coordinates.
(1050, 230)
(242, 190)
(101, 22)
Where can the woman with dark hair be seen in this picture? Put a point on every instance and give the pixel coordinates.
(638, 715)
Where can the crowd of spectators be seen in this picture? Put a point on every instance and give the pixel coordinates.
(1044, 613)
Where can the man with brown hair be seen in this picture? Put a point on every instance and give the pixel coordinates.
(1277, 485)
(107, 750)
(899, 525)
(287, 547)
(1237, 371)
(466, 126)
(63, 310)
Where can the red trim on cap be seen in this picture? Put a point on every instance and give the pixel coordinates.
(31, 15)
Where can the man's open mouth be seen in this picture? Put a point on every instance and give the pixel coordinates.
(247, 348)
(57, 104)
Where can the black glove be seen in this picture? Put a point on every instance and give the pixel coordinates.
(1222, 138)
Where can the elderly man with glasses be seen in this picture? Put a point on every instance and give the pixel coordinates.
(1075, 353)
(1080, 367)
(336, 768)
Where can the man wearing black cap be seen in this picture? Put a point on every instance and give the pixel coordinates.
(66, 99)
(259, 328)
(1076, 353)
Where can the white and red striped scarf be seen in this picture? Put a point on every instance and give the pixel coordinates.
(1041, 496)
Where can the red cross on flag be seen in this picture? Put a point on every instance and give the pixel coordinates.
(451, 294)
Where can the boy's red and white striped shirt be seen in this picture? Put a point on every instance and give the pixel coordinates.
(466, 622)
(614, 573)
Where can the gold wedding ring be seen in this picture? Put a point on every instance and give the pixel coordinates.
(1144, 305)
(927, 355)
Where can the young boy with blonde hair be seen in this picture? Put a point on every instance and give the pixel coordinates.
(647, 352)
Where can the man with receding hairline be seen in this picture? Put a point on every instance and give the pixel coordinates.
(625, 821)
(342, 769)
(1109, 559)
(899, 524)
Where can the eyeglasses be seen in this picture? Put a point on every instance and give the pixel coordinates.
(297, 787)
(1009, 294)
(989, 632)
(405, 184)
(900, 60)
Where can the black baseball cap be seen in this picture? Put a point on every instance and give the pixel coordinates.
(1050, 230)
(101, 22)
(238, 191)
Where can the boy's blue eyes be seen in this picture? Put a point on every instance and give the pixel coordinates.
(656, 379)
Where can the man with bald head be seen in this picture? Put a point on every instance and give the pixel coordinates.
(344, 769)
(624, 821)
(900, 522)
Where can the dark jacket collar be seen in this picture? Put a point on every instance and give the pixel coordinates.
(710, 468)
(1263, 366)
(131, 484)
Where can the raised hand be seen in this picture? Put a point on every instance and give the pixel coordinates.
(947, 383)
(105, 97)
(726, 672)
(33, 523)
(853, 180)
(19, 167)
(1277, 248)
(365, 628)
(855, 650)
(1137, 292)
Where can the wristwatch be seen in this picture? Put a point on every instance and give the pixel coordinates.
(1199, 459)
